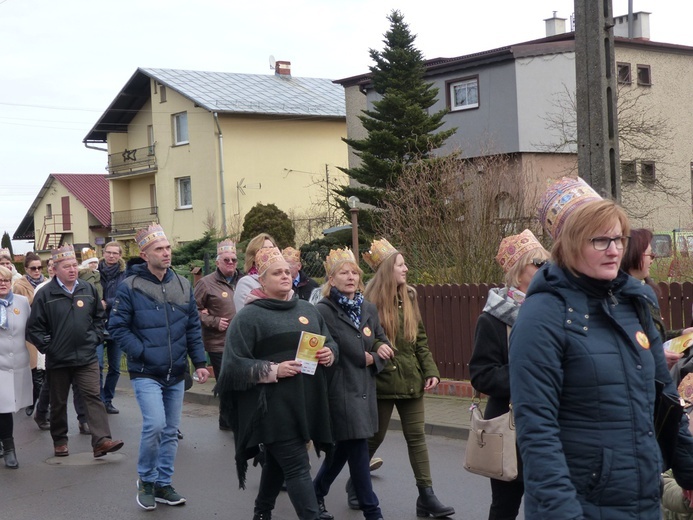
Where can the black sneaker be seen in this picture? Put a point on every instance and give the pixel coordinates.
(145, 495)
(167, 495)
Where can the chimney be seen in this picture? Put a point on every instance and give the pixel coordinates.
(554, 25)
(641, 26)
(282, 68)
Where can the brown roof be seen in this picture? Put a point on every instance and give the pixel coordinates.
(92, 190)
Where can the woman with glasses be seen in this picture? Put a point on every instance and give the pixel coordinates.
(33, 277)
(520, 256)
(15, 374)
(584, 359)
(636, 262)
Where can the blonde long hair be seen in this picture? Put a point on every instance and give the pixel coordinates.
(387, 296)
(253, 247)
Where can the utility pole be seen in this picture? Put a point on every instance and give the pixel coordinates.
(595, 77)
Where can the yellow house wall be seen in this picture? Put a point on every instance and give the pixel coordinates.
(282, 162)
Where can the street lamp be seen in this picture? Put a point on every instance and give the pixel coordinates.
(353, 204)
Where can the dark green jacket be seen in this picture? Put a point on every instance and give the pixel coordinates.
(404, 377)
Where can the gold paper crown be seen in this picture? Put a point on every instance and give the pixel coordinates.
(562, 198)
(64, 252)
(338, 257)
(88, 253)
(267, 256)
(6, 252)
(291, 255)
(380, 250)
(226, 246)
(512, 248)
(146, 237)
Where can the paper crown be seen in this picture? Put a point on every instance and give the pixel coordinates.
(64, 252)
(338, 257)
(267, 256)
(146, 237)
(512, 248)
(6, 252)
(226, 246)
(380, 250)
(291, 255)
(560, 200)
(88, 254)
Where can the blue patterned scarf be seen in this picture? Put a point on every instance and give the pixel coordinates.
(351, 307)
(4, 304)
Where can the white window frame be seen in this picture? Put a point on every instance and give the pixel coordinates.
(462, 83)
(180, 128)
(183, 201)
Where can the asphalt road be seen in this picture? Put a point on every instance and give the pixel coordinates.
(81, 487)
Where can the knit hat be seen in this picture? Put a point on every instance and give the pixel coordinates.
(380, 251)
(512, 248)
(560, 200)
(226, 246)
(146, 237)
(338, 257)
(267, 256)
(64, 252)
(291, 255)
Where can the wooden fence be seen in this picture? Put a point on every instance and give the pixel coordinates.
(450, 312)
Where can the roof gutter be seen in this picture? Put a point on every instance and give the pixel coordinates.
(221, 175)
(87, 145)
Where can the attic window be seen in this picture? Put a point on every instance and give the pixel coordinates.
(162, 93)
(463, 93)
(624, 73)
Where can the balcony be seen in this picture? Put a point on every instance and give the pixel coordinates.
(132, 162)
(127, 222)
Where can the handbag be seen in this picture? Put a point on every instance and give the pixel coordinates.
(491, 450)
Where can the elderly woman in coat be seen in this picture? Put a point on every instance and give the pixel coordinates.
(364, 349)
(585, 360)
(15, 374)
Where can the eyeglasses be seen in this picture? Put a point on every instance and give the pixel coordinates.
(604, 243)
(2, 280)
(651, 255)
(230, 260)
(34, 268)
(538, 263)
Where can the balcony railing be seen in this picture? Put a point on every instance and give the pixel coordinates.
(128, 162)
(128, 221)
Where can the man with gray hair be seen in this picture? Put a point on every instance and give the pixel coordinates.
(214, 298)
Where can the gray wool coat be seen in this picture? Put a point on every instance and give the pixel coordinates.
(351, 384)
(16, 390)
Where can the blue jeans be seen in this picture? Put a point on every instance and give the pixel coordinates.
(161, 408)
(113, 354)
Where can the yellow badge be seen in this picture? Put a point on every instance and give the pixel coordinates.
(80, 303)
(16, 311)
(224, 294)
(367, 331)
(303, 320)
(643, 340)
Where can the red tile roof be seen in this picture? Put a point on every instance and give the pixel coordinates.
(92, 190)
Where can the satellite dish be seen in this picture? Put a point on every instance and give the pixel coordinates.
(272, 62)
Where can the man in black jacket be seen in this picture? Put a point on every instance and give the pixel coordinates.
(303, 284)
(66, 324)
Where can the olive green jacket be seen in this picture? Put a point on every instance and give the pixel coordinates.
(404, 376)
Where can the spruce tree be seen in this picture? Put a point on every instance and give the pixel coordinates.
(400, 129)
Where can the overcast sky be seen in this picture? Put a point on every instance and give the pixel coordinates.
(63, 61)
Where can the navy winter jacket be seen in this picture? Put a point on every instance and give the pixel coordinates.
(156, 324)
(584, 357)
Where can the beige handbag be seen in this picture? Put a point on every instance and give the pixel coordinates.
(491, 448)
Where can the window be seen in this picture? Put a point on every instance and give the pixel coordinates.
(162, 93)
(628, 173)
(463, 94)
(184, 189)
(644, 77)
(647, 172)
(623, 73)
(49, 211)
(152, 199)
(180, 128)
(150, 140)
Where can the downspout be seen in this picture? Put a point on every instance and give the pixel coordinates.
(221, 175)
